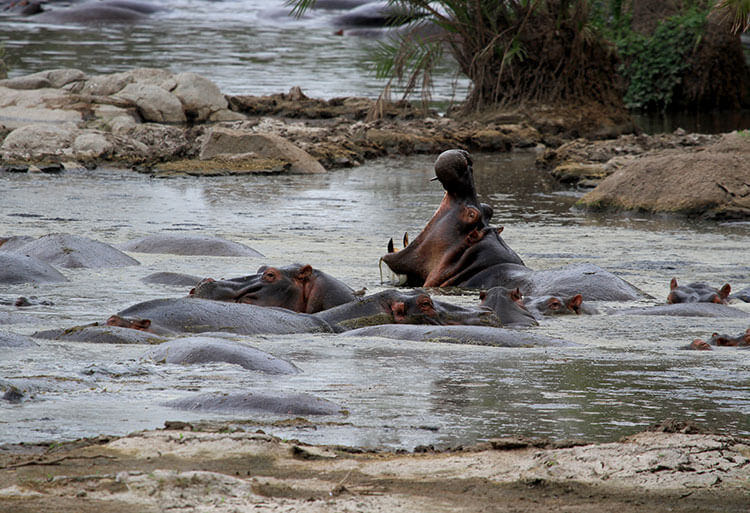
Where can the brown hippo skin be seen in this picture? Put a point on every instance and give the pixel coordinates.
(457, 241)
(296, 287)
(697, 293)
(459, 248)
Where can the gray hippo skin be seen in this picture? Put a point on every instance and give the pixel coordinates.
(100, 334)
(697, 293)
(686, 310)
(194, 315)
(459, 248)
(476, 335)
(249, 402)
(202, 349)
(188, 245)
(104, 12)
(509, 306)
(742, 295)
(296, 287)
(8, 339)
(75, 251)
(15, 269)
(173, 279)
(544, 306)
(404, 307)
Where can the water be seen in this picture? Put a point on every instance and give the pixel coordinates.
(628, 372)
(245, 46)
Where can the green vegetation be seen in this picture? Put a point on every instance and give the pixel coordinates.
(654, 66)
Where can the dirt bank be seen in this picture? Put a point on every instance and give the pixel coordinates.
(218, 468)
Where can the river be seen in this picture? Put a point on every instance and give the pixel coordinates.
(628, 372)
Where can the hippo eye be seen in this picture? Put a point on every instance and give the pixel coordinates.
(269, 276)
(424, 302)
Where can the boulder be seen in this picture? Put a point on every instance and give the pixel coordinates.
(222, 142)
(711, 183)
(92, 145)
(106, 85)
(153, 103)
(38, 141)
(199, 96)
(56, 78)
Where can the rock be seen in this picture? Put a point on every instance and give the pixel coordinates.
(56, 78)
(153, 103)
(38, 141)
(188, 245)
(92, 145)
(16, 268)
(574, 172)
(711, 183)
(221, 142)
(106, 85)
(199, 96)
(75, 251)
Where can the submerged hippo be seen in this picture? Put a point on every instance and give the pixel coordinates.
(697, 293)
(398, 307)
(74, 251)
(248, 402)
(296, 287)
(16, 268)
(477, 335)
(509, 306)
(552, 305)
(741, 340)
(179, 244)
(195, 315)
(458, 247)
(99, 12)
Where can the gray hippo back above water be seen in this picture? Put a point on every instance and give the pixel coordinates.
(194, 315)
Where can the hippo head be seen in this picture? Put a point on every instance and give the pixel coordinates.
(135, 324)
(295, 287)
(457, 241)
(697, 293)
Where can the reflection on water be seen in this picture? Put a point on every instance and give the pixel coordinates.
(629, 371)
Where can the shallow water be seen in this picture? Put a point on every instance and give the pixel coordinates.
(628, 372)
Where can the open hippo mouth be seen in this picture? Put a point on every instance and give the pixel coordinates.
(457, 241)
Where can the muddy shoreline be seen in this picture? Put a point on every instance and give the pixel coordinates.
(223, 467)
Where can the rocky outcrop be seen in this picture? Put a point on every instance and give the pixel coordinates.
(165, 123)
(712, 182)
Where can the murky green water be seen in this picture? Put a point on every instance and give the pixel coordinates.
(628, 373)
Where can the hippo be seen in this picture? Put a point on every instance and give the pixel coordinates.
(459, 248)
(697, 293)
(296, 287)
(398, 307)
(742, 340)
(106, 11)
(196, 315)
(509, 306)
(188, 245)
(716, 310)
(477, 335)
(9, 339)
(173, 279)
(16, 268)
(202, 349)
(247, 402)
(74, 251)
(376, 14)
(742, 295)
(96, 333)
(24, 301)
(552, 305)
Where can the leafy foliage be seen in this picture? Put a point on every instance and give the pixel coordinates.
(654, 66)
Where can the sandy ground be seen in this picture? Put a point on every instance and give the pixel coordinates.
(214, 469)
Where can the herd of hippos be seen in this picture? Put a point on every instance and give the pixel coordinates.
(354, 17)
(458, 248)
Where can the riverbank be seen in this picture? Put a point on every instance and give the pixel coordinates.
(166, 124)
(227, 468)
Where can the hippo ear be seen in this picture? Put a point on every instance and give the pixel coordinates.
(500, 229)
(725, 291)
(143, 324)
(390, 246)
(406, 239)
(304, 273)
(673, 284)
(515, 294)
(483, 296)
(261, 269)
(575, 302)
